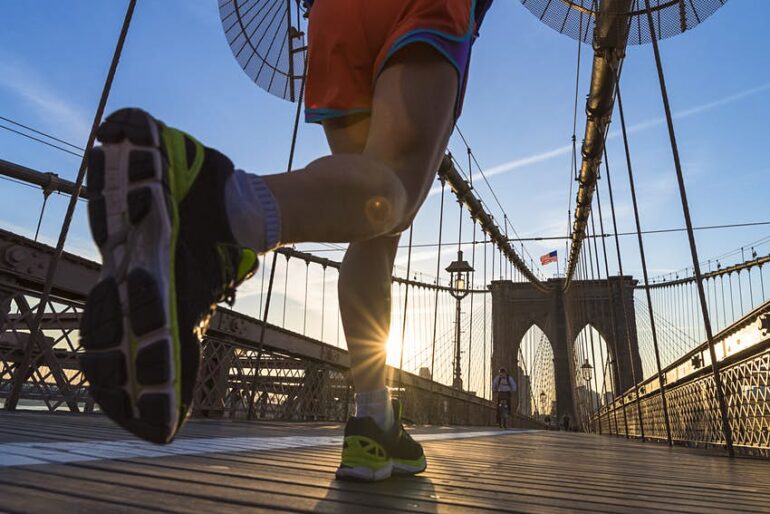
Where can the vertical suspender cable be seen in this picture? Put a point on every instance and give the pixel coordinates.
(470, 314)
(438, 273)
(591, 333)
(661, 378)
(610, 301)
(406, 305)
(623, 302)
(35, 333)
(484, 337)
(304, 310)
(285, 291)
(323, 302)
(691, 237)
(271, 281)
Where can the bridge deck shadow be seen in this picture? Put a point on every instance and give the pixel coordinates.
(82, 463)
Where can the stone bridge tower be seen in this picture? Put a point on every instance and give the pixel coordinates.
(517, 306)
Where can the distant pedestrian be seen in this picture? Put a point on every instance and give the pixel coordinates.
(503, 387)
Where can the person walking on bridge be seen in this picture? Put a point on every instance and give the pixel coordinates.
(503, 387)
(180, 228)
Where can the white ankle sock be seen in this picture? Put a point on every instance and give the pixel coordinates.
(252, 212)
(376, 405)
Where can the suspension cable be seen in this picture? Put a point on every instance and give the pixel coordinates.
(691, 237)
(271, 281)
(661, 378)
(406, 305)
(36, 333)
(623, 301)
(438, 271)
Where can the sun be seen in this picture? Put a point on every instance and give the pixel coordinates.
(393, 346)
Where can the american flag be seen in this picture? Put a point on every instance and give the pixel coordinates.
(548, 258)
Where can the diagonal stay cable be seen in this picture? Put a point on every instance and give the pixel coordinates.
(36, 333)
(690, 236)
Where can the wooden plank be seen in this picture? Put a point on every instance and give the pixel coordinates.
(15, 499)
(522, 472)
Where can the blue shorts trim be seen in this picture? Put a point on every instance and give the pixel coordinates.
(420, 37)
(319, 115)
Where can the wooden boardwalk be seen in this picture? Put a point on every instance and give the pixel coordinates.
(82, 463)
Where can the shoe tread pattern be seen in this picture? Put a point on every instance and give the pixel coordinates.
(125, 329)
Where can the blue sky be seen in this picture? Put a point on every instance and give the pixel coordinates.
(517, 116)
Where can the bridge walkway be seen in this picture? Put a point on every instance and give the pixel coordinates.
(83, 463)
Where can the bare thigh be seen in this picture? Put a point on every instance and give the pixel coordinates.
(412, 118)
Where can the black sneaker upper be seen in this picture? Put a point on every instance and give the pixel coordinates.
(402, 445)
(206, 259)
(397, 441)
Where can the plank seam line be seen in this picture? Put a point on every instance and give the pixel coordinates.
(31, 453)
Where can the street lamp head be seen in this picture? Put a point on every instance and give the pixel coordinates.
(587, 371)
(459, 272)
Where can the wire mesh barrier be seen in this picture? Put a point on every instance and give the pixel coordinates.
(743, 351)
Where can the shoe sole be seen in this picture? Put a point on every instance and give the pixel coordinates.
(128, 329)
(402, 468)
(363, 474)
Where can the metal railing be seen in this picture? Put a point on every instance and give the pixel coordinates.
(743, 352)
(290, 377)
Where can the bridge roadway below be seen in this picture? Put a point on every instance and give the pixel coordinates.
(83, 463)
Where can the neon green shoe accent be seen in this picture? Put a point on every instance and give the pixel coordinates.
(359, 451)
(247, 265)
(181, 176)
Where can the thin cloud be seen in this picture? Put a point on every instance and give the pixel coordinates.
(515, 164)
(61, 117)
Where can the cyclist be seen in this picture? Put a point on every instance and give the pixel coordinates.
(503, 387)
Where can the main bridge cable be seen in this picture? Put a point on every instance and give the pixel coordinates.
(736, 268)
(610, 39)
(36, 333)
(465, 195)
(740, 250)
(573, 169)
(661, 378)
(472, 156)
(690, 236)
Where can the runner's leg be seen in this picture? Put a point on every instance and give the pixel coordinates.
(380, 190)
(412, 118)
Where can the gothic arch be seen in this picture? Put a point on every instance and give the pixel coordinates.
(606, 304)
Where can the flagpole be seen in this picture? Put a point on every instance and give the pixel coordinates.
(557, 267)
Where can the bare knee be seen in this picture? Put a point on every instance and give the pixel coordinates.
(388, 204)
(377, 193)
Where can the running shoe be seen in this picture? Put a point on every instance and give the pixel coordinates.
(406, 453)
(370, 453)
(365, 455)
(156, 211)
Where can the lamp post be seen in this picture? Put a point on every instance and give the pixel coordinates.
(459, 274)
(587, 370)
